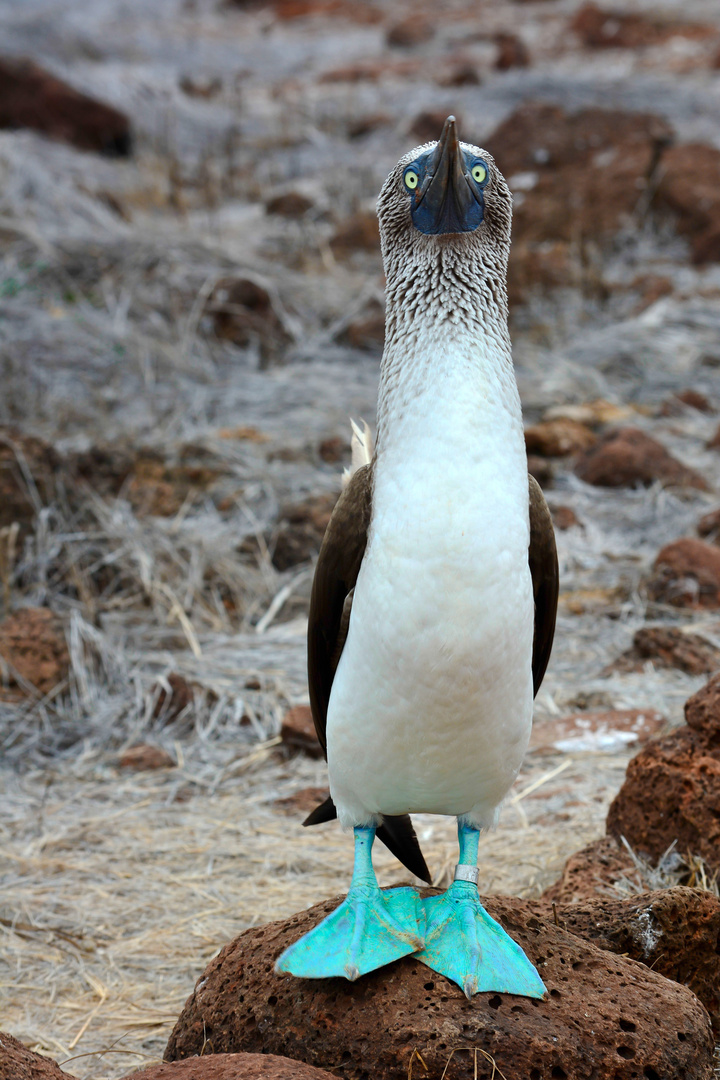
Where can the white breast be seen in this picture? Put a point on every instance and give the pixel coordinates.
(431, 706)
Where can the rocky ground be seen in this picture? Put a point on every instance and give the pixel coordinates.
(191, 307)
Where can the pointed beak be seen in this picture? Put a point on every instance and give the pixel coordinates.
(446, 203)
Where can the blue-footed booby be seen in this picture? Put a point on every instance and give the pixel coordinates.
(433, 604)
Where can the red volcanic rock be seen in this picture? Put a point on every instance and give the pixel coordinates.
(201, 85)
(694, 400)
(592, 871)
(671, 791)
(541, 266)
(31, 97)
(333, 449)
(672, 931)
(243, 311)
(301, 530)
(102, 468)
(651, 287)
(602, 1011)
(232, 1067)
(344, 9)
(686, 573)
(594, 414)
(602, 29)
(170, 703)
(298, 730)
(373, 70)
(367, 329)
(289, 204)
(160, 488)
(360, 232)
(411, 31)
(582, 151)
(702, 713)
(670, 647)
(19, 1063)
(427, 125)
(33, 650)
(689, 187)
(459, 73)
(367, 124)
(541, 469)
(564, 517)
(512, 52)
(557, 438)
(302, 801)
(578, 178)
(709, 526)
(19, 452)
(627, 457)
(145, 757)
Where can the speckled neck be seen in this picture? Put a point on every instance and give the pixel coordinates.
(446, 323)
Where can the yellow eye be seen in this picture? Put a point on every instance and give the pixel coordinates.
(479, 173)
(411, 179)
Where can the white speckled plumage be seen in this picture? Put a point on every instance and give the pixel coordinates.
(431, 706)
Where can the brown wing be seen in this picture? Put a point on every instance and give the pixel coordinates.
(336, 572)
(542, 555)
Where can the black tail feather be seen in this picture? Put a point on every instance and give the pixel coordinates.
(324, 812)
(396, 833)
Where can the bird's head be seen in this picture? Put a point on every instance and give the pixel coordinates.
(446, 196)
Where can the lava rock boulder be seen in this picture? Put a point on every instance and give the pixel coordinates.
(31, 97)
(671, 792)
(19, 1063)
(709, 526)
(558, 438)
(301, 530)
(599, 28)
(20, 455)
(232, 1067)
(686, 573)
(630, 458)
(298, 731)
(672, 931)
(605, 1015)
(33, 652)
(245, 311)
(550, 158)
(669, 647)
(593, 871)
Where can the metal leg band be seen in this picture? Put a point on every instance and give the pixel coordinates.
(467, 873)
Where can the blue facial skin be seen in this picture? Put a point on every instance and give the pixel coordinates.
(451, 203)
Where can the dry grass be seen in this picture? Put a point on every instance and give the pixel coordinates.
(120, 887)
(117, 888)
(672, 869)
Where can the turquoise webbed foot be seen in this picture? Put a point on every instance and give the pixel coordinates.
(467, 945)
(369, 929)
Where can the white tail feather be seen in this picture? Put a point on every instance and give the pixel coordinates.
(361, 450)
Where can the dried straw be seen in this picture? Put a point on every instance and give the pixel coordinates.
(121, 887)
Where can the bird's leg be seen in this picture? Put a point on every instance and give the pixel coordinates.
(464, 943)
(371, 928)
